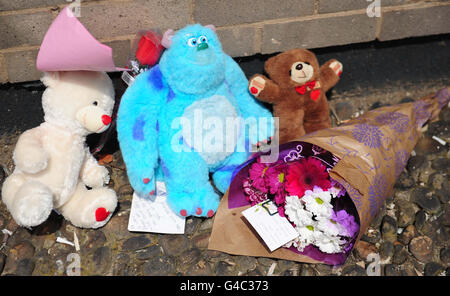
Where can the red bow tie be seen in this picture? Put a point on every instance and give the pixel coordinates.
(315, 93)
(305, 87)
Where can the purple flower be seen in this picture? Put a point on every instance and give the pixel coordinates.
(347, 221)
(367, 134)
(401, 158)
(378, 192)
(399, 122)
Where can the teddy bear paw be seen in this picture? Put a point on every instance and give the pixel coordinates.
(33, 204)
(256, 85)
(95, 209)
(96, 177)
(337, 67)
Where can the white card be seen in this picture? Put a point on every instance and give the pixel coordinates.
(274, 230)
(153, 214)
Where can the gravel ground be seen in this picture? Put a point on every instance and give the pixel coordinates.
(411, 233)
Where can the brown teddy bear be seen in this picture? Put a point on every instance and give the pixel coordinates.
(297, 91)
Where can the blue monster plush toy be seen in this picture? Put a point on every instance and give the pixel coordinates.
(174, 122)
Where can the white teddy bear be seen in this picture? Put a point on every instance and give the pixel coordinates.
(53, 162)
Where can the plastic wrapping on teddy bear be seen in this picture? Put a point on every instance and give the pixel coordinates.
(194, 77)
(145, 53)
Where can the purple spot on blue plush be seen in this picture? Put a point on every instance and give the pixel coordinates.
(170, 95)
(228, 88)
(228, 168)
(157, 126)
(155, 78)
(138, 129)
(164, 169)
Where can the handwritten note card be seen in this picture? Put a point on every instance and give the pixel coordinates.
(274, 230)
(153, 214)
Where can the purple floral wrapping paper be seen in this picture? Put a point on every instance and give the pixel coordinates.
(365, 155)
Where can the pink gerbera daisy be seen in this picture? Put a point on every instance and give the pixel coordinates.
(306, 174)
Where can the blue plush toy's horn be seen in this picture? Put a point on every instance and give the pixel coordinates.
(212, 27)
(167, 38)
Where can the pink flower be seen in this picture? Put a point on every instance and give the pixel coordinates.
(276, 177)
(253, 195)
(280, 199)
(258, 176)
(306, 174)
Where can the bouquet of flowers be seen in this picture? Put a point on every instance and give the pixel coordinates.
(315, 204)
(329, 184)
(305, 194)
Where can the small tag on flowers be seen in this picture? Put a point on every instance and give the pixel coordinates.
(273, 229)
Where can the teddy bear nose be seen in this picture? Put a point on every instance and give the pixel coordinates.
(106, 119)
(299, 67)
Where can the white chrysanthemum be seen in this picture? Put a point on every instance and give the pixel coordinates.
(322, 233)
(296, 213)
(293, 242)
(306, 235)
(327, 243)
(318, 202)
(318, 192)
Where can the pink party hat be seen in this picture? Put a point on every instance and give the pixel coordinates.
(68, 46)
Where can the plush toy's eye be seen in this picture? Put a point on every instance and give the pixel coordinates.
(202, 39)
(307, 63)
(192, 42)
(95, 103)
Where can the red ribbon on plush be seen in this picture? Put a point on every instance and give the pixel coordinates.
(302, 89)
(315, 94)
